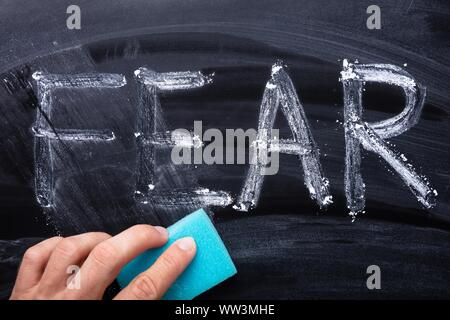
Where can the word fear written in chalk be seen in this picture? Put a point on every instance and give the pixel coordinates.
(279, 92)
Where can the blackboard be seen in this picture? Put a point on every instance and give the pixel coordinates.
(287, 246)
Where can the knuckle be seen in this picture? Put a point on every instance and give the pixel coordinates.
(104, 253)
(100, 234)
(145, 287)
(67, 248)
(32, 255)
(170, 263)
(104, 234)
(143, 232)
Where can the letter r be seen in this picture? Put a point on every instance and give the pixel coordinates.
(371, 135)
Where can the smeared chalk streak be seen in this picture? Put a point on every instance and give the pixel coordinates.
(74, 134)
(195, 198)
(213, 198)
(170, 81)
(280, 90)
(91, 80)
(175, 138)
(288, 147)
(148, 103)
(353, 181)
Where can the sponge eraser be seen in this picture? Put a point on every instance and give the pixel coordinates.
(211, 265)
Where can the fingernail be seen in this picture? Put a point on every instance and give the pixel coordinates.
(186, 244)
(162, 231)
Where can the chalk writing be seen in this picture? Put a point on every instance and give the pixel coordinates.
(45, 132)
(150, 84)
(371, 135)
(279, 91)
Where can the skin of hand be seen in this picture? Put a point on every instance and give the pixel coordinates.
(43, 273)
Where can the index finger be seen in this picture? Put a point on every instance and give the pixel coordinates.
(107, 259)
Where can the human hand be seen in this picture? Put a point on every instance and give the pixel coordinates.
(44, 273)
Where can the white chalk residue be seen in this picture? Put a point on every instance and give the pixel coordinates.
(45, 133)
(213, 198)
(289, 147)
(280, 90)
(371, 135)
(170, 81)
(393, 75)
(197, 198)
(186, 139)
(74, 134)
(176, 138)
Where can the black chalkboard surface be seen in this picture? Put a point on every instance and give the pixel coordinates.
(286, 246)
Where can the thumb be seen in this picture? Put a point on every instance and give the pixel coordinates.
(153, 283)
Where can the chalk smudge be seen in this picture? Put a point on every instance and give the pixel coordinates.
(176, 138)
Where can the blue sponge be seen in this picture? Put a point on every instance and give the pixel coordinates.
(211, 265)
